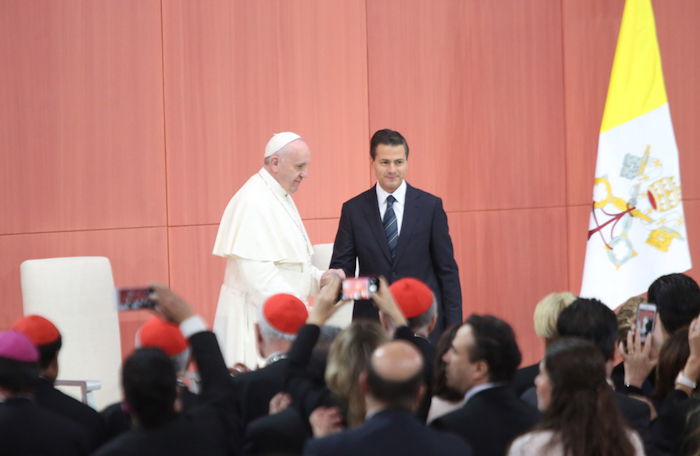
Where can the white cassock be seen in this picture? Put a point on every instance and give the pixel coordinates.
(268, 251)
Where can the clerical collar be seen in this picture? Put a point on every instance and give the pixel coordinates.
(399, 193)
(272, 183)
(273, 358)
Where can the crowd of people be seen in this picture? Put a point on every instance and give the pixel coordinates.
(376, 388)
(408, 376)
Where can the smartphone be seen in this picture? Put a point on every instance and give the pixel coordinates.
(646, 316)
(359, 287)
(134, 298)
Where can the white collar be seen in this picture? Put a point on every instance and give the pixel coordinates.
(272, 183)
(399, 193)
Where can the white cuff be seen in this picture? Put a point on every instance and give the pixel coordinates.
(193, 325)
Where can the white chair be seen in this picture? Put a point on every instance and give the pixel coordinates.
(322, 259)
(77, 295)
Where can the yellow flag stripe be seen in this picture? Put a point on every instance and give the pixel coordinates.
(637, 81)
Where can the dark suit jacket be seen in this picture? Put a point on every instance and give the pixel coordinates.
(49, 398)
(283, 433)
(424, 251)
(27, 429)
(392, 431)
(525, 378)
(255, 389)
(117, 421)
(210, 429)
(490, 420)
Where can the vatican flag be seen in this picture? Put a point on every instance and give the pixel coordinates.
(637, 228)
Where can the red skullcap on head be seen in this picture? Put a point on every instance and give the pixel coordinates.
(38, 329)
(285, 313)
(158, 333)
(16, 346)
(412, 296)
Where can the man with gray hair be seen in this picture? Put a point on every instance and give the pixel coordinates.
(266, 246)
(279, 319)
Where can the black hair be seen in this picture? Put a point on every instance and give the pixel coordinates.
(17, 377)
(592, 320)
(388, 138)
(677, 299)
(494, 342)
(150, 386)
(48, 352)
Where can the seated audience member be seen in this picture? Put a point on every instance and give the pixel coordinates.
(284, 431)
(349, 354)
(580, 415)
(669, 426)
(26, 428)
(672, 358)
(626, 325)
(391, 386)
(480, 365)
(595, 322)
(418, 306)
(546, 313)
(149, 382)
(45, 336)
(677, 299)
(156, 333)
(445, 399)
(279, 319)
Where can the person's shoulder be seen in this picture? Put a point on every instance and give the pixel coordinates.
(421, 195)
(530, 443)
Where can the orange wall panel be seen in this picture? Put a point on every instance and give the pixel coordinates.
(195, 273)
(508, 261)
(236, 72)
(477, 90)
(81, 115)
(137, 256)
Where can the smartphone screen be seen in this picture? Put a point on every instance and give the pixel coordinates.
(359, 287)
(646, 316)
(133, 299)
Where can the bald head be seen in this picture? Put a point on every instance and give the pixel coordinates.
(395, 374)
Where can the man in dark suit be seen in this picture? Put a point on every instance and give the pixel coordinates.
(150, 384)
(397, 231)
(480, 364)
(25, 427)
(592, 320)
(418, 314)
(279, 319)
(48, 341)
(392, 387)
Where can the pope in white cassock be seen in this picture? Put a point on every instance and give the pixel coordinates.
(266, 246)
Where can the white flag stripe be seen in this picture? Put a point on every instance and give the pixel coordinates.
(639, 162)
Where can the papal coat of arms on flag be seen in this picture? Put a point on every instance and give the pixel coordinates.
(637, 227)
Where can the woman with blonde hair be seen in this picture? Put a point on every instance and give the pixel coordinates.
(545, 317)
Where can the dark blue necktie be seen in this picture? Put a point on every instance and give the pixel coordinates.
(390, 226)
